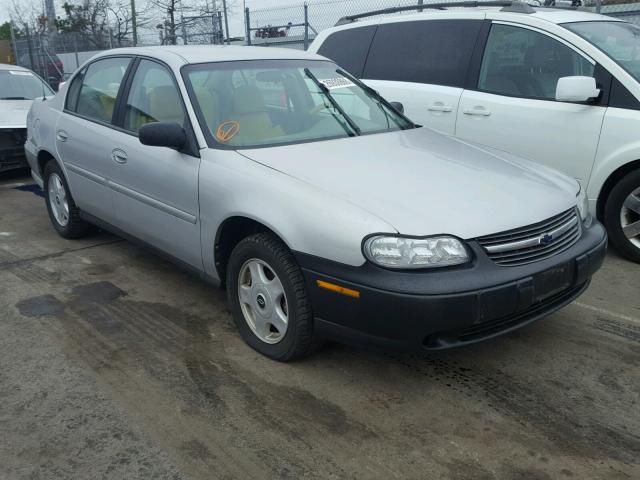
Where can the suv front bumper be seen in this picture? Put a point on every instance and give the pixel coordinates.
(442, 308)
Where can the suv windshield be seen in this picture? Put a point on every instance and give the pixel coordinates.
(273, 102)
(22, 85)
(619, 40)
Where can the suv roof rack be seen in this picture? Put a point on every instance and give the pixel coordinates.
(507, 6)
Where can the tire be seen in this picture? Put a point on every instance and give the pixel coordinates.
(256, 265)
(66, 221)
(615, 213)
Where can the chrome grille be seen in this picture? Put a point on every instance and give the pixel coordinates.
(534, 242)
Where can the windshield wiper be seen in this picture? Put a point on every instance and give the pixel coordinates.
(325, 90)
(380, 100)
(15, 98)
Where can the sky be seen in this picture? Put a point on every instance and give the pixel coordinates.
(236, 19)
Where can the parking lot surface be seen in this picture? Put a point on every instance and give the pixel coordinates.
(116, 364)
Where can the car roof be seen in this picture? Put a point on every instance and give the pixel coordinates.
(187, 54)
(552, 15)
(6, 66)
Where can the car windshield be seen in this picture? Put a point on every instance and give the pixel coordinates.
(263, 103)
(22, 85)
(619, 40)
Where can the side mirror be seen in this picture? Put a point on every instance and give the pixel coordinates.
(398, 106)
(576, 89)
(163, 134)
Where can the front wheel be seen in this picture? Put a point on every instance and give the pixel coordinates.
(622, 216)
(268, 298)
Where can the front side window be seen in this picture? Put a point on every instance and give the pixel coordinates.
(523, 63)
(619, 40)
(153, 97)
(99, 89)
(22, 85)
(267, 102)
(436, 52)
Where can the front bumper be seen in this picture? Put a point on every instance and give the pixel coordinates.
(12, 148)
(450, 307)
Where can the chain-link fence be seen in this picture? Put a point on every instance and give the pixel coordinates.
(55, 56)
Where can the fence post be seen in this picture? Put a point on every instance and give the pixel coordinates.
(247, 20)
(14, 44)
(226, 20)
(306, 26)
(420, 2)
(75, 49)
(29, 46)
(220, 35)
(598, 6)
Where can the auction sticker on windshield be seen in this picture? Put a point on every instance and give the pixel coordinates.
(339, 82)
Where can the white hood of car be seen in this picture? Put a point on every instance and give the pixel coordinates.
(425, 183)
(13, 113)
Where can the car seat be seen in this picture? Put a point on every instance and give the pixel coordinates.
(250, 111)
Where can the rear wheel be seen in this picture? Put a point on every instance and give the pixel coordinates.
(63, 212)
(268, 298)
(622, 216)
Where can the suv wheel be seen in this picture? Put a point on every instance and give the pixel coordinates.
(63, 212)
(268, 298)
(622, 216)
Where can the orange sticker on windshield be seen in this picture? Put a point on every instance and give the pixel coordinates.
(227, 130)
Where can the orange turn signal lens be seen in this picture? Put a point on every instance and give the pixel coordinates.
(338, 289)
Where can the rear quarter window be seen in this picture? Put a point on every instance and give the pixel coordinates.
(427, 51)
(349, 48)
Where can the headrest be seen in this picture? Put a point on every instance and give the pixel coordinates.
(248, 99)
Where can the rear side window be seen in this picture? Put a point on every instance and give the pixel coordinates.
(100, 85)
(432, 51)
(349, 48)
(74, 90)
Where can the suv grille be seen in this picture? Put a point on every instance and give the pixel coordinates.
(534, 242)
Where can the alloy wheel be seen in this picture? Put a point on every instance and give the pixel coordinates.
(58, 200)
(263, 301)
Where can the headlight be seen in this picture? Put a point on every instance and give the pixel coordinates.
(583, 203)
(403, 252)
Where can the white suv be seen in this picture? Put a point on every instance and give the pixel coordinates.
(560, 87)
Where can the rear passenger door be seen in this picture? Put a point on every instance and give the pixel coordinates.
(83, 131)
(423, 64)
(511, 103)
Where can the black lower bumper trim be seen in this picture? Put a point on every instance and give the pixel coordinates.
(448, 308)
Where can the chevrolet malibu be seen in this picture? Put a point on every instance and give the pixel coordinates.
(322, 209)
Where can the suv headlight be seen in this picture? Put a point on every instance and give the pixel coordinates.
(583, 203)
(405, 252)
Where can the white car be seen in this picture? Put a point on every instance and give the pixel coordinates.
(324, 210)
(18, 88)
(557, 86)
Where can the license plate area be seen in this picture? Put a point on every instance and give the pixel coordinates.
(552, 281)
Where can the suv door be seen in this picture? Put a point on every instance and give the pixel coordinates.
(155, 188)
(83, 131)
(513, 106)
(423, 64)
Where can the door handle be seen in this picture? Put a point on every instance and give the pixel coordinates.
(119, 156)
(477, 111)
(61, 136)
(439, 107)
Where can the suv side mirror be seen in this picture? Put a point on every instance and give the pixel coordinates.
(576, 89)
(398, 106)
(163, 134)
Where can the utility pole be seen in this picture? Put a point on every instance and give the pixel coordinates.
(134, 27)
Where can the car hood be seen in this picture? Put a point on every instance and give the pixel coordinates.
(426, 183)
(13, 113)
